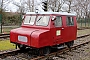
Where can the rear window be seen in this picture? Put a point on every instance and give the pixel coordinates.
(70, 21)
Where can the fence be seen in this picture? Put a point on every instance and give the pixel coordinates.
(83, 22)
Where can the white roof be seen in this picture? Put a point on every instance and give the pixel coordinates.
(61, 13)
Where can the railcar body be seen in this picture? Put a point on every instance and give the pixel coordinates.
(46, 29)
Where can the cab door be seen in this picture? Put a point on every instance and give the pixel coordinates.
(59, 30)
(71, 28)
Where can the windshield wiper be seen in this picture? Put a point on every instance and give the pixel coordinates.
(39, 19)
(30, 19)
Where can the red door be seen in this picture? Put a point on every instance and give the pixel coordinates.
(71, 28)
(59, 30)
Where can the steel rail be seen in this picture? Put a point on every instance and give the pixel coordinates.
(83, 28)
(5, 53)
(83, 36)
(4, 35)
(8, 35)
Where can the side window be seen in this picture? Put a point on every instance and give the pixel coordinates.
(58, 21)
(70, 21)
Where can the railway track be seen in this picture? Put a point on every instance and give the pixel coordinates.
(4, 35)
(56, 54)
(82, 28)
(17, 52)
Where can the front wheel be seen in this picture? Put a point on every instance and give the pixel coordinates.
(21, 47)
(44, 51)
(69, 44)
(72, 43)
(47, 50)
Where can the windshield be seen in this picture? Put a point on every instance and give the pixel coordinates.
(29, 20)
(42, 20)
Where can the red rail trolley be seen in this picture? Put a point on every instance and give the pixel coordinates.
(45, 30)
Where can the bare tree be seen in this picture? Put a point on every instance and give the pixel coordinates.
(30, 5)
(85, 7)
(55, 5)
(70, 5)
(82, 8)
(3, 4)
(20, 5)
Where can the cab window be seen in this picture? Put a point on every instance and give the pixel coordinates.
(58, 21)
(42, 20)
(29, 20)
(70, 21)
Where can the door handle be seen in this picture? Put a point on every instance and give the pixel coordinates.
(62, 28)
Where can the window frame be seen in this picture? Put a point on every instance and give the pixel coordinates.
(42, 16)
(70, 22)
(30, 17)
(60, 21)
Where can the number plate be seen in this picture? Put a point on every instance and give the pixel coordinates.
(22, 38)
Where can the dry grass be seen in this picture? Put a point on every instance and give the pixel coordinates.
(83, 32)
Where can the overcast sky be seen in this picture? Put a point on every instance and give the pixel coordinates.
(14, 8)
(11, 7)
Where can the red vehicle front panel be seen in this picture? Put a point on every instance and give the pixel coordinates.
(21, 32)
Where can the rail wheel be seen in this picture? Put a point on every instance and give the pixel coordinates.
(47, 50)
(21, 47)
(44, 51)
(69, 44)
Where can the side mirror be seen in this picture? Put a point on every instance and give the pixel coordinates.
(23, 17)
(53, 18)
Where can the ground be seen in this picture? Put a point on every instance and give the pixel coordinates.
(81, 53)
